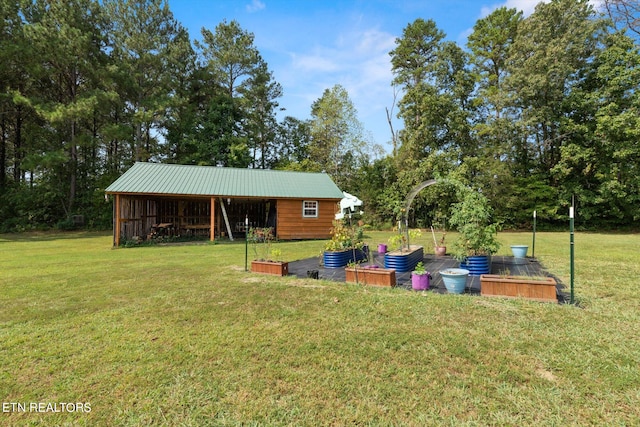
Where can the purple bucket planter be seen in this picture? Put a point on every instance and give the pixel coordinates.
(420, 282)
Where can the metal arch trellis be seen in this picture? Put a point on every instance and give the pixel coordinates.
(404, 221)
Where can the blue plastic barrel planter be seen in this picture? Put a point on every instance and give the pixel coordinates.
(519, 251)
(455, 279)
(477, 264)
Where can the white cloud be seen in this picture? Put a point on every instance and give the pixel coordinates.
(597, 4)
(361, 56)
(255, 6)
(528, 6)
(357, 59)
(318, 62)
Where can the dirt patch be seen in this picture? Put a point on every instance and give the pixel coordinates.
(547, 375)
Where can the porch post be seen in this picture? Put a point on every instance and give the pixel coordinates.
(213, 217)
(116, 219)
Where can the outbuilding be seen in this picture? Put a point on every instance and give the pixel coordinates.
(153, 198)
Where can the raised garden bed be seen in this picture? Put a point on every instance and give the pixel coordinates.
(337, 259)
(477, 264)
(404, 261)
(534, 288)
(370, 276)
(270, 267)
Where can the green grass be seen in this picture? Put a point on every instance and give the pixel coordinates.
(182, 335)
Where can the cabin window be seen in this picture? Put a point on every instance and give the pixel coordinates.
(310, 209)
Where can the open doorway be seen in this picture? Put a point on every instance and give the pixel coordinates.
(232, 214)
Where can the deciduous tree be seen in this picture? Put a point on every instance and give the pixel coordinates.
(336, 134)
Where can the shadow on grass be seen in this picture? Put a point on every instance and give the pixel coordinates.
(48, 236)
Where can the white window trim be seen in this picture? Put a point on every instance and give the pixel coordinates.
(305, 208)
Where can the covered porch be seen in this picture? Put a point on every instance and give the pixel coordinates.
(147, 217)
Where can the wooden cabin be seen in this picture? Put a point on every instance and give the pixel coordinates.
(155, 198)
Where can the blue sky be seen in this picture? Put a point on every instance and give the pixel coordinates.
(311, 45)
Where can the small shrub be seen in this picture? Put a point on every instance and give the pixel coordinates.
(344, 237)
(261, 239)
(65, 225)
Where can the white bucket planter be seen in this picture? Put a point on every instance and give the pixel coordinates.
(455, 279)
(519, 251)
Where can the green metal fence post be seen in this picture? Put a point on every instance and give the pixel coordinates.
(246, 242)
(533, 249)
(571, 219)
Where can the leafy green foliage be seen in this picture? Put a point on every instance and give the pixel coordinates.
(337, 138)
(420, 269)
(477, 233)
(344, 236)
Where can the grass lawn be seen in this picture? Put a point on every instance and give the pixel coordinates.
(182, 335)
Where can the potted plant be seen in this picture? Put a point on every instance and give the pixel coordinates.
(439, 246)
(267, 259)
(477, 235)
(345, 245)
(455, 279)
(420, 277)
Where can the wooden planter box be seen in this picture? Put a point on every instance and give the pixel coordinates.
(543, 289)
(270, 267)
(404, 261)
(371, 276)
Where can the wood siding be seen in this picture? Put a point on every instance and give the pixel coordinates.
(291, 224)
(136, 216)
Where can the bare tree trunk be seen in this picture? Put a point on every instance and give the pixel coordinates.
(17, 156)
(73, 151)
(3, 151)
(394, 133)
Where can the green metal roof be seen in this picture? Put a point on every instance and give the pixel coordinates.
(159, 178)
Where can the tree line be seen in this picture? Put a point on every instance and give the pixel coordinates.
(531, 112)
